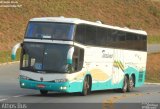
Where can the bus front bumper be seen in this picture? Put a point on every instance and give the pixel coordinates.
(49, 86)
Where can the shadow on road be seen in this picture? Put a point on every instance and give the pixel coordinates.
(102, 92)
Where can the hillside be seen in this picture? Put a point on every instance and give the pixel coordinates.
(153, 73)
(137, 14)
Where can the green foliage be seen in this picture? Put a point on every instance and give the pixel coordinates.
(153, 10)
(154, 39)
(153, 77)
(5, 56)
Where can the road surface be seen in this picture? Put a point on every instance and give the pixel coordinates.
(153, 48)
(10, 92)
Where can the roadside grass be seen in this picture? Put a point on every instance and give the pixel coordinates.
(154, 11)
(154, 39)
(5, 56)
(151, 79)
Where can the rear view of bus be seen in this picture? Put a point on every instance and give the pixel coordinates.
(56, 55)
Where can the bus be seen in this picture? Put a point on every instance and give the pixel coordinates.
(70, 55)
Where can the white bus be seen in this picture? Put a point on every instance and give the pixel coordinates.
(73, 55)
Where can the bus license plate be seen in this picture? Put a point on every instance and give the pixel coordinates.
(41, 86)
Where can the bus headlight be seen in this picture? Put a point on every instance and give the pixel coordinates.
(22, 84)
(60, 80)
(63, 88)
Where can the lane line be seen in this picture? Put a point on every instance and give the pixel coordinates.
(16, 96)
(113, 99)
(110, 103)
(3, 99)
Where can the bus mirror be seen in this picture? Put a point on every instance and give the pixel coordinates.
(14, 50)
(70, 55)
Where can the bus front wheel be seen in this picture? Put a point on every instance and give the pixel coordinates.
(43, 92)
(86, 86)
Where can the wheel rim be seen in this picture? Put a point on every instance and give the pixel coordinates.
(86, 86)
(131, 83)
(125, 84)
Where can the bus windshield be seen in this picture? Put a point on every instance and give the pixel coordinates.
(46, 58)
(50, 30)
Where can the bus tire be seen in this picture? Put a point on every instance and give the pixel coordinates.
(125, 85)
(86, 86)
(43, 92)
(130, 84)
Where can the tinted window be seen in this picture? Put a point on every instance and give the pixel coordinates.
(116, 38)
(101, 37)
(98, 36)
(122, 36)
(132, 36)
(142, 42)
(90, 35)
(49, 58)
(80, 33)
(136, 41)
(49, 30)
(78, 58)
(109, 36)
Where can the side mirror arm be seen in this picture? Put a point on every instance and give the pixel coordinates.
(14, 50)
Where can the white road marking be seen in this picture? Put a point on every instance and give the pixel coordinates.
(3, 99)
(16, 96)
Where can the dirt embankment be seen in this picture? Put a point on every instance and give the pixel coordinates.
(153, 67)
(138, 14)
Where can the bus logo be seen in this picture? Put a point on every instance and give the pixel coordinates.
(106, 55)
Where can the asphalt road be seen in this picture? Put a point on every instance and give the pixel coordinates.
(10, 92)
(153, 48)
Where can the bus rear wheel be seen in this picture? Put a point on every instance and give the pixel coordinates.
(86, 86)
(130, 84)
(125, 85)
(43, 92)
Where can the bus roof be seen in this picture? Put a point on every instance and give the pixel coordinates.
(79, 21)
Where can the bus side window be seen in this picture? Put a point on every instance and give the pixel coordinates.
(78, 58)
(90, 37)
(101, 37)
(25, 60)
(80, 34)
